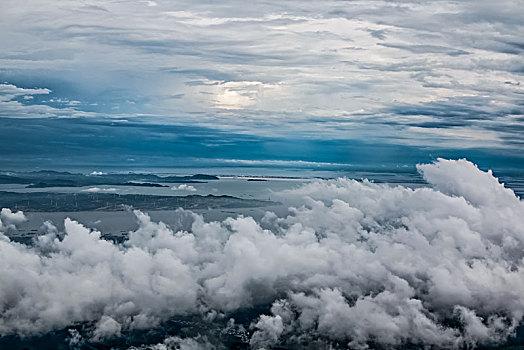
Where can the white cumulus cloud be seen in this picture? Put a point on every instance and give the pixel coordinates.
(353, 263)
(184, 187)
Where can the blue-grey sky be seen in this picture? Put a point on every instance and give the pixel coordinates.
(412, 74)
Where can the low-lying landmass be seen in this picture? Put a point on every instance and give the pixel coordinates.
(52, 202)
(48, 178)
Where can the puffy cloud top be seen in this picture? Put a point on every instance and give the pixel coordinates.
(356, 263)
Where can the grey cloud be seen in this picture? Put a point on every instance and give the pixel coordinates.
(425, 49)
(399, 53)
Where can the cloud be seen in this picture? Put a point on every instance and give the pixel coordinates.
(9, 91)
(281, 163)
(277, 68)
(172, 343)
(106, 327)
(17, 102)
(352, 262)
(9, 219)
(99, 189)
(184, 187)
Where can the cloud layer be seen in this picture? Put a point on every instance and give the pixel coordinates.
(439, 73)
(354, 263)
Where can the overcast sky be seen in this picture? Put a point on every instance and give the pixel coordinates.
(416, 73)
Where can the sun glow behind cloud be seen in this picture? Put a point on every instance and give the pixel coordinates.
(242, 94)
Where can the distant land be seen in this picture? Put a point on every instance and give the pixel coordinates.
(49, 178)
(55, 202)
